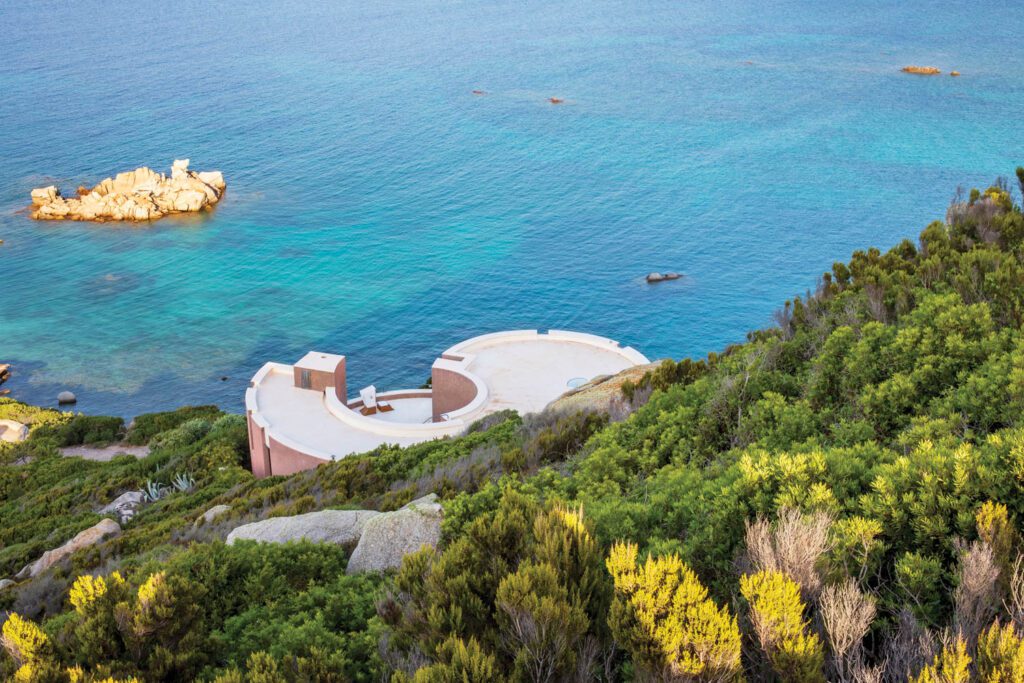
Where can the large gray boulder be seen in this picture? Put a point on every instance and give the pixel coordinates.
(104, 529)
(6, 583)
(13, 431)
(390, 536)
(124, 506)
(326, 526)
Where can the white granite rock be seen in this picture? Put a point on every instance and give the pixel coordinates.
(390, 536)
(138, 195)
(124, 506)
(326, 526)
(13, 431)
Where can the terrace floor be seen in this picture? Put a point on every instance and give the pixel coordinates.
(300, 415)
(528, 375)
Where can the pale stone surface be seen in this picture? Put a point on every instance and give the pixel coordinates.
(390, 536)
(66, 397)
(213, 513)
(599, 393)
(6, 583)
(326, 526)
(104, 529)
(138, 195)
(124, 506)
(661, 277)
(13, 431)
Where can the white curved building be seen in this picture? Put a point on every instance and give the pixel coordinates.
(301, 416)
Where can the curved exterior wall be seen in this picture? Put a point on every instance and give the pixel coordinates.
(290, 432)
(452, 390)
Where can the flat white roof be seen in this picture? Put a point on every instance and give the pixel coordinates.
(315, 360)
(301, 416)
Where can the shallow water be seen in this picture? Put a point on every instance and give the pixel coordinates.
(377, 208)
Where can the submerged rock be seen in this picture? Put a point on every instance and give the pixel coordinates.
(13, 431)
(139, 195)
(390, 536)
(326, 526)
(104, 529)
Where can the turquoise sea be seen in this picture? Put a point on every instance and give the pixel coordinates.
(377, 208)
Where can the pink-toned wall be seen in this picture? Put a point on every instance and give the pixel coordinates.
(259, 454)
(450, 390)
(340, 388)
(275, 459)
(318, 379)
(285, 460)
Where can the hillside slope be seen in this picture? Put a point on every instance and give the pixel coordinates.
(836, 499)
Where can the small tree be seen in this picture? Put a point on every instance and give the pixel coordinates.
(540, 626)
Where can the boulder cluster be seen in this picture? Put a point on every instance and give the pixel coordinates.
(381, 539)
(139, 195)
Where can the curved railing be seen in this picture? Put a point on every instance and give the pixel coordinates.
(356, 420)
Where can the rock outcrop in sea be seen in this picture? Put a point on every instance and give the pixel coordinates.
(921, 70)
(139, 195)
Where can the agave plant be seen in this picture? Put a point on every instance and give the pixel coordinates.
(183, 482)
(154, 491)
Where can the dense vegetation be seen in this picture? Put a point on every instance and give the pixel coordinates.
(836, 499)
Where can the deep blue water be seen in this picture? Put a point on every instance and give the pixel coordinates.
(377, 208)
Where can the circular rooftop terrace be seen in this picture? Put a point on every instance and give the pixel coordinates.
(297, 421)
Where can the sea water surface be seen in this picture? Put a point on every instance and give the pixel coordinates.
(376, 207)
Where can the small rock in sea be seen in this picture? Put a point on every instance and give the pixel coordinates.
(66, 397)
(555, 100)
(661, 277)
(921, 70)
(479, 92)
(224, 378)
(951, 73)
(5, 371)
